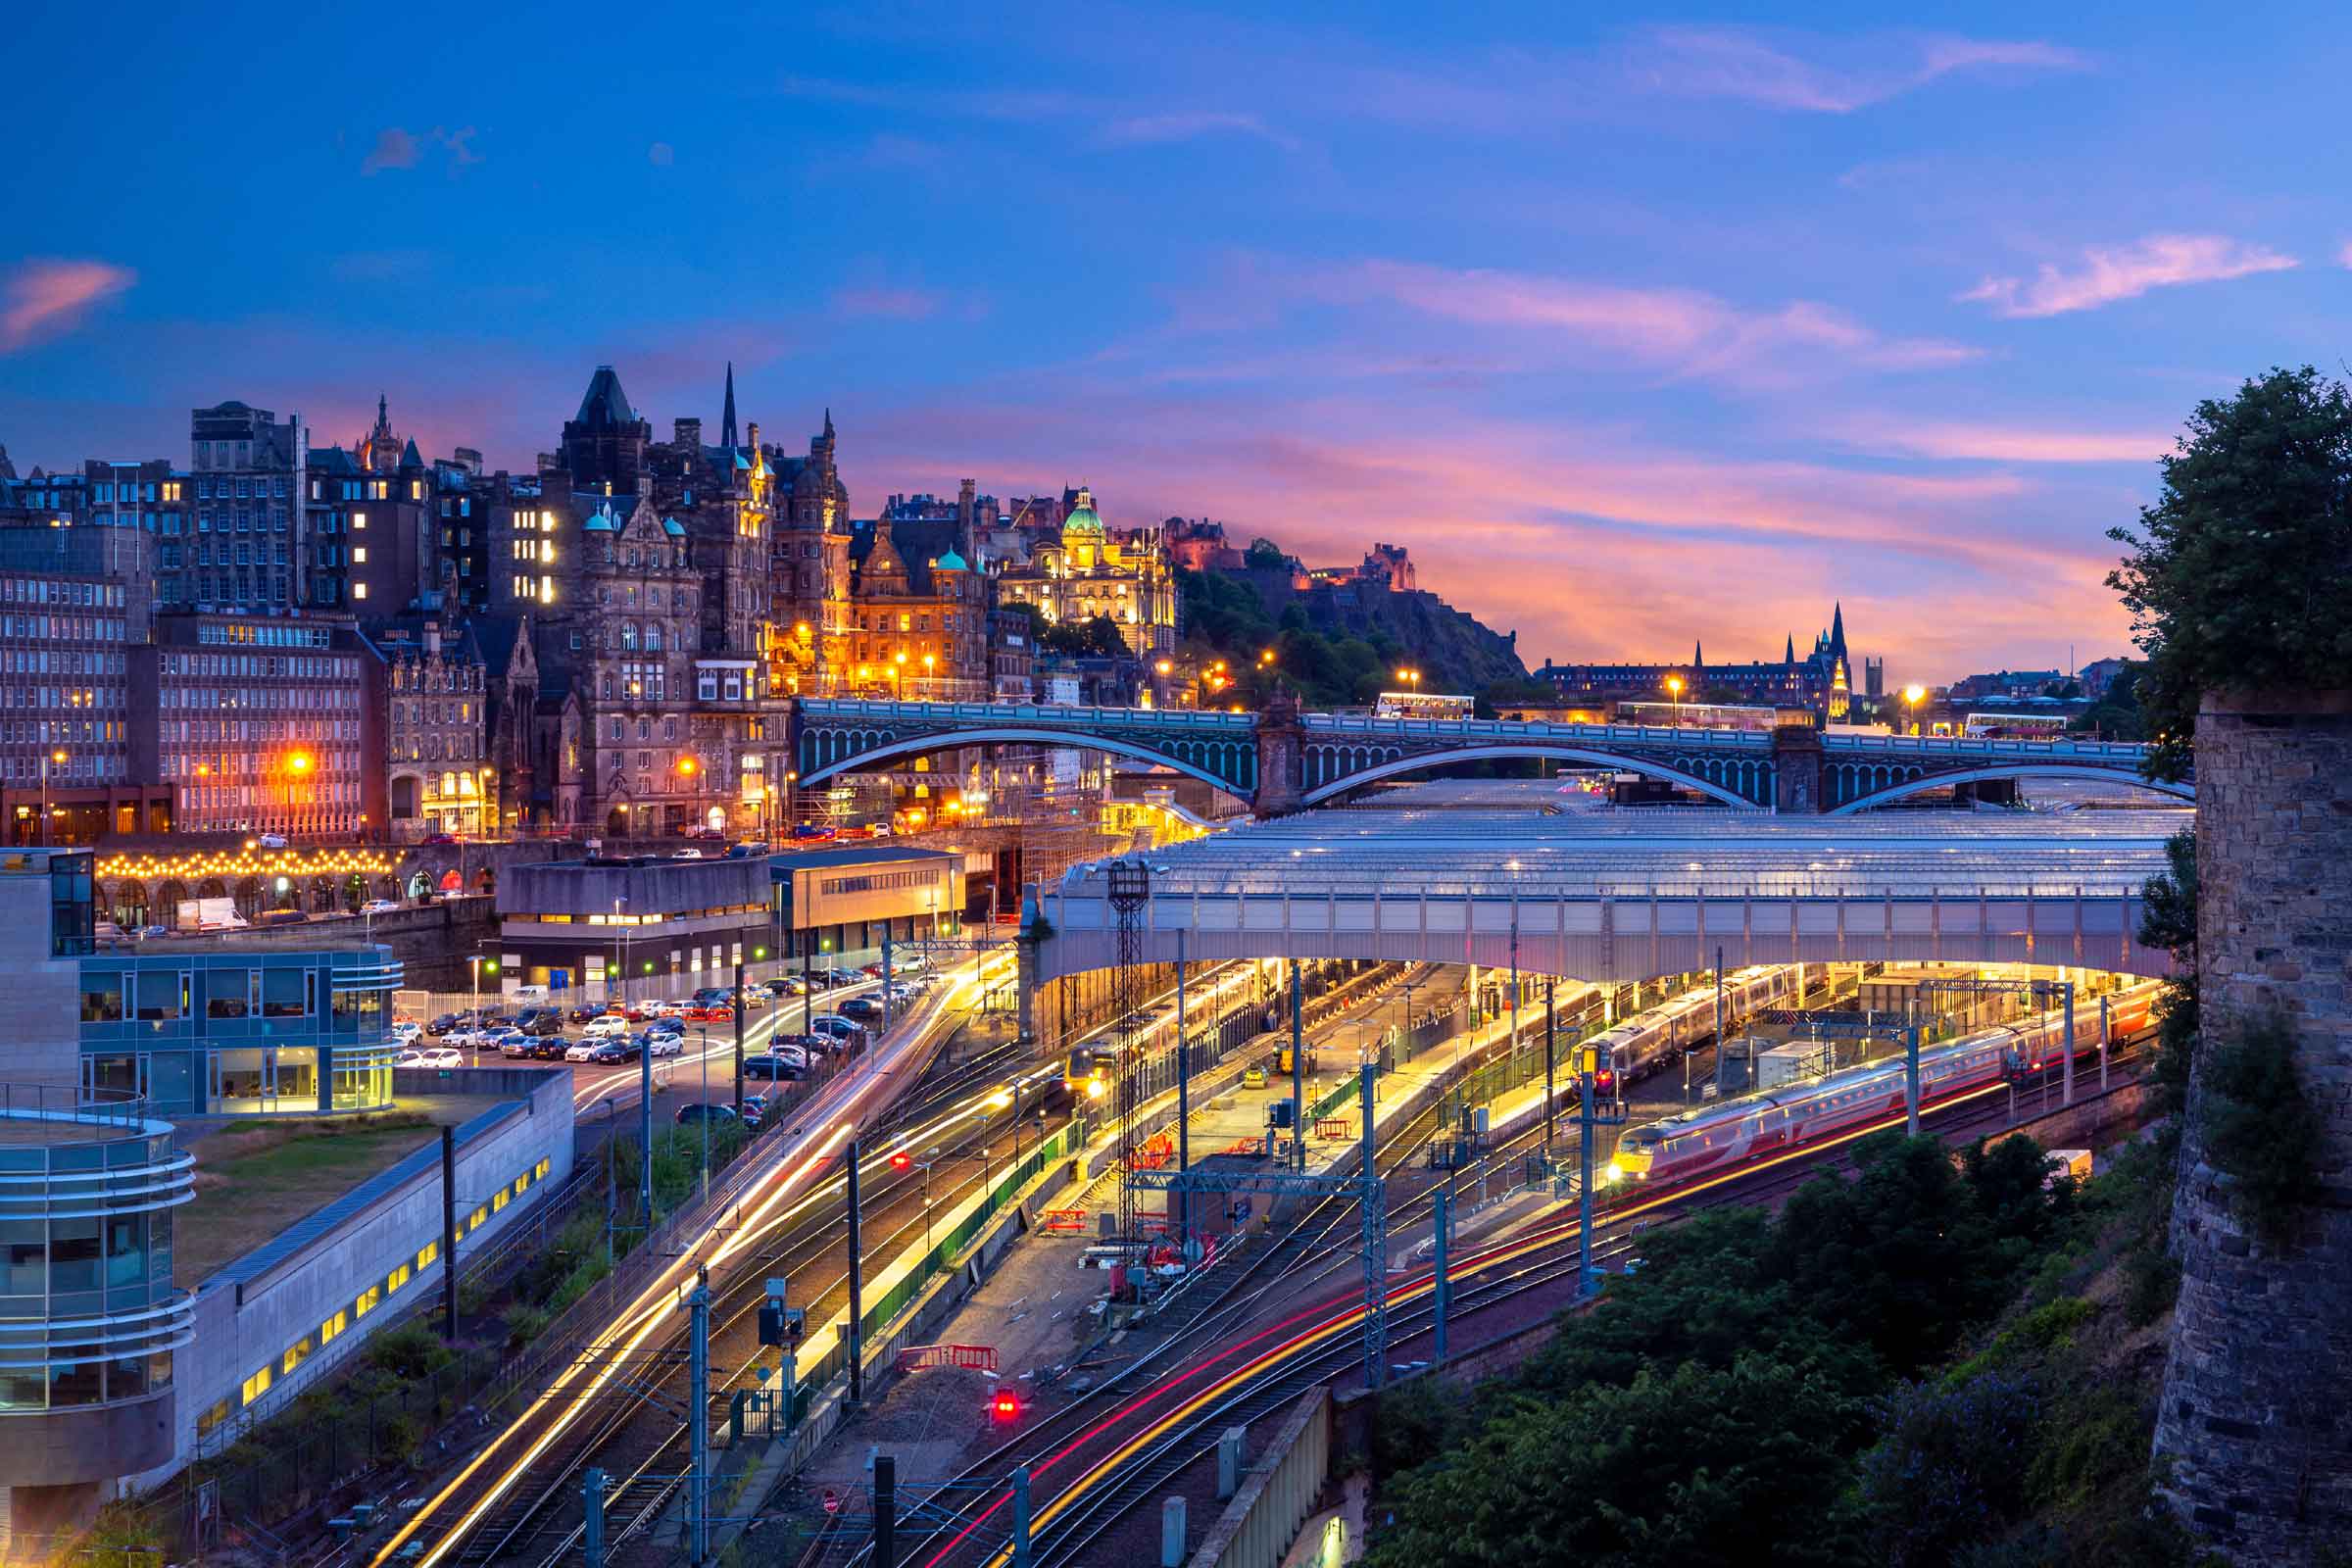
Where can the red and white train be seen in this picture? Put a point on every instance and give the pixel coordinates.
(1703, 1142)
(1658, 1032)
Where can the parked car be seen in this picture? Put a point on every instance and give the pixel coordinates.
(714, 1012)
(578, 1050)
(687, 854)
(438, 840)
(667, 1027)
(583, 1012)
(665, 1042)
(667, 1009)
(850, 1032)
(379, 907)
(155, 931)
(606, 1025)
(442, 1024)
(862, 1010)
(430, 1056)
(514, 1042)
(772, 1067)
(271, 841)
(705, 996)
(550, 1048)
(695, 1111)
(605, 1052)
(540, 1021)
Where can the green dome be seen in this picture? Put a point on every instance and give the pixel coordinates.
(1083, 522)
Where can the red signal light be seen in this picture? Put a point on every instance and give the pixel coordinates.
(1604, 1082)
(1006, 1406)
(899, 1162)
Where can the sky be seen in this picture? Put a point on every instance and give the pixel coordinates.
(1639, 331)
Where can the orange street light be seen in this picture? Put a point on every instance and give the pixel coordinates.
(300, 761)
(688, 767)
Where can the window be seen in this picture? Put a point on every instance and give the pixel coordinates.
(429, 1254)
(102, 998)
(334, 1326)
(370, 1300)
(253, 1386)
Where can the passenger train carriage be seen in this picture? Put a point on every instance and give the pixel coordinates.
(1639, 1043)
(1701, 1142)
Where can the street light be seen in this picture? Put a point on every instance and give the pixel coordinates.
(1674, 689)
(1911, 698)
(59, 758)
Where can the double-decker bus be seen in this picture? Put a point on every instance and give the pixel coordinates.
(1423, 704)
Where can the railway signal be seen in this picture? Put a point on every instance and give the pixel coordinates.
(901, 1159)
(1005, 1407)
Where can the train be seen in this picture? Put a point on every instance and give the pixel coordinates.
(1656, 1034)
(1719, 1136)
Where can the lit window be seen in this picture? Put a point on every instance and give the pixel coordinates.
(397, 1278)
(253, 1386)
(370, 1300)
(359, 519)
(359, 590)
(334, 1326)
(427, 1254)
(358, 554)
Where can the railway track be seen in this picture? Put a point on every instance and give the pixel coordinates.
(1309, 1347)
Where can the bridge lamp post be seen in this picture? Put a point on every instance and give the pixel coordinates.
(1674, 690)
(1911, 698)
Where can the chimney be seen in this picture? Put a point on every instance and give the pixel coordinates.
(751, 435)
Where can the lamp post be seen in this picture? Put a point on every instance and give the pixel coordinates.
(473, 1032)
(1674, 690)
(59, 758)
(1911, 696)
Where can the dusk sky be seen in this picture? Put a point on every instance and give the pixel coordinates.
(1632, 331)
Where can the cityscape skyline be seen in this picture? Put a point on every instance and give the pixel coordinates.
(1811, 308)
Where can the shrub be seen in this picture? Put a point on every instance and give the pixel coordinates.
(1950, 1469)
(2260, 1127)
(525, 1323)
(411, 1353)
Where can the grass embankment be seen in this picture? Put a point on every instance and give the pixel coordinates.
(251, 1182)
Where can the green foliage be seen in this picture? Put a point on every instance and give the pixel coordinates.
(2117, 714)
(120, 1537)
(2240, 573)
(411, 1353)
(525, 1323)
(1415, 1423)
(1264, 554)
(2168, 919)
(1095, 638)
(2259, 1125)
(1947, 1472)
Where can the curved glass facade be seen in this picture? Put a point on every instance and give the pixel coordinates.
(89, 1313)
(200, 1028)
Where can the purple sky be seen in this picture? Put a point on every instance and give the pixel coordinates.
(1633, 332)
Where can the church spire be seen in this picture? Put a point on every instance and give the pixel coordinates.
(1789, 654)
(1699, 654)
(726, 420)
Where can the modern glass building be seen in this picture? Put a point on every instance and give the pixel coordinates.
(89, 1318)
(206, 1027)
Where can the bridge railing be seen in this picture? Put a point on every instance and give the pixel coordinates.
(1458, 729)
(1029, 713)
(1988, 747)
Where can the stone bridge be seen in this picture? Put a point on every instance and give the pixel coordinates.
(1284, 759)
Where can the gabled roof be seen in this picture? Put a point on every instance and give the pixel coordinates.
(333, 459)
(410, 456)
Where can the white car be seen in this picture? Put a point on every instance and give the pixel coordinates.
(431, 1057)
(687, 854)
(668, 1009)
(379, 907)
(605, 1026)
(663, 1043)
(406, 1032)
(580, 1050)
(271, 840)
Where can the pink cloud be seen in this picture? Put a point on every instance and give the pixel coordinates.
(394, 148)
(1994, 443)
(1737, 63)
(1681, 329)
(46, 297)
(889, 302)
(2109, 274)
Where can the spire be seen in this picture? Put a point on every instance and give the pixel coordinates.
(606, 405)
(1838, 630)
(828, 424)
(726, 420)
(1699, 654)
(383, 415)
(1789, 654)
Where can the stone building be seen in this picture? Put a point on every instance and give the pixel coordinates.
(438, 772)
(250, 472)
(1089, 569)
(369, 525)
(1824, 680)
(919, 613)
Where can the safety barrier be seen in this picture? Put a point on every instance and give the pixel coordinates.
(965, 1357)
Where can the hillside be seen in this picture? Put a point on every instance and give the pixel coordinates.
(1344, 644)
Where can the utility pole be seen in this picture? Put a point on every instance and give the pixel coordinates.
(738, 1039)
(1376, 1240)
(856, 1289)
(889, 1014)
(2066, 1096)
(697, 1416)
(2105, 1034)
(1718, 1042)
(1443, 1294)
(1911, 1068)
(645, 1126)
(1184, 1102)
(1297, 1066)
(449, 1234)
(592, 1517)
(1584, 1184)
(1548, 987)
(885, 1510)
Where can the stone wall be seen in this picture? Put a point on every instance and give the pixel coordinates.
(2254, 1429)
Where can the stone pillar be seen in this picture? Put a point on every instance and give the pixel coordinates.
(2254, 1424)
(1797, 771)
(1280, 739)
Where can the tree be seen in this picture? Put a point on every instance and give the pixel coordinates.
(1264, 554)
(2167, 921)
(1095, 638)
(2239, 574)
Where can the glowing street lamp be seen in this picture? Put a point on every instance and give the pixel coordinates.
(1674, 689)
(1911, 700)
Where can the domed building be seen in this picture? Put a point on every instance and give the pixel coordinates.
(1093, 570)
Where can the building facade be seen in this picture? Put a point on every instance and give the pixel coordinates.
(249, 470)
(1823, 682)
(259, 723)
(438, 772)
(1089, 569)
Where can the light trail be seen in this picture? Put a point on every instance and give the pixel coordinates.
(656, 1304)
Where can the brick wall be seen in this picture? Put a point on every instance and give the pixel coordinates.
(2253, 1423)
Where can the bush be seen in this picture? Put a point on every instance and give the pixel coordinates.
(411, 1353)
(1950, 1469)
(2260, 1127)
(525, 1323)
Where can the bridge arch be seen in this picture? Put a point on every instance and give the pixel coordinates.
(1515, 751)
(834, 758)
(1920, 783)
